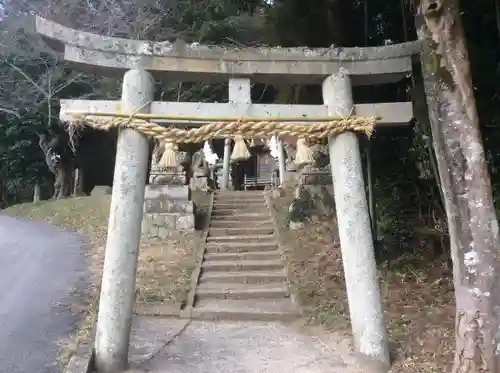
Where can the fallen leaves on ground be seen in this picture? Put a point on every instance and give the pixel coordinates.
(418, 302)
(164, 270)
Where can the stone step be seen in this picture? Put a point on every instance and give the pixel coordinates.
(240, 247)
(240, 197)
(248, 217)
(245, 231)
(242, 238)
(216, 211)
(255, 277)
(239, 223)
(238, 193)
(231, 200)
(241, 291)
(242, 265)
(240, 205)
(258, 255)
(246, 310)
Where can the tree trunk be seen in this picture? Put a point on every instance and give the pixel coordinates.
(472, 223)
(59, 162)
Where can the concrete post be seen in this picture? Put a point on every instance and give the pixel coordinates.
(281, 161)
(124, 231)
(77, 185)
(36, 193)
(363, 289)
(225, 164)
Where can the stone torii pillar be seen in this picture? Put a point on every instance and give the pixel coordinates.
(358, 257)
(239, 93)
(124, 231)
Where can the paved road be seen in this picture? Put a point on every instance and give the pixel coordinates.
(40, 265)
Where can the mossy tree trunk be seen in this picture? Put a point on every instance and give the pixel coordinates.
(60, 162)
(472, 223)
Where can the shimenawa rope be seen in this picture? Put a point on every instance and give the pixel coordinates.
(244, 127)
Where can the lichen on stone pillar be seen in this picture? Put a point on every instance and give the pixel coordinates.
(353, 220)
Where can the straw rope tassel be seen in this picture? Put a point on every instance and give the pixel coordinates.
(304, 153)
(240, 150)
(170, 157)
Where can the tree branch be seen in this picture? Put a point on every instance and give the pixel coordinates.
(27, 77)
(8, 111)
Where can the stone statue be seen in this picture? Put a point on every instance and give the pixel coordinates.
(290, 152)
(321, 156)
(199, 165)
(171, 175)
(200, 172)
(158, 150)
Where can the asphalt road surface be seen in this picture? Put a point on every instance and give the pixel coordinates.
(40, 265)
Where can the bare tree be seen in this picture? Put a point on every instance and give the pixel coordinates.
(472, 222)
(33, 76)
(31, 73)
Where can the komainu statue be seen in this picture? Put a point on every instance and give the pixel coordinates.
(200, 172)
(168, 164)
(290, 152)
(199, 165)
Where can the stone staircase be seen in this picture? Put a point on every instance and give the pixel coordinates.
(242, 274)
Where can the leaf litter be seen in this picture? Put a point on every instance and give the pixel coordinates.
(418, 300)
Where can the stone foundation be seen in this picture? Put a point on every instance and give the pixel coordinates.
(313, 196)
(167, 208)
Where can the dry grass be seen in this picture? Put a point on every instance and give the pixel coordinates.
(418, 301)
(164, 269)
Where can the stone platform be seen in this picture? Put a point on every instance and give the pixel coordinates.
(167, 208)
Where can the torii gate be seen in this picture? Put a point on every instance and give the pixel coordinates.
(336, 69)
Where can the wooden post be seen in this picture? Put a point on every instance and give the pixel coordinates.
(124, 231)
(281, 161)
(225, 164)
(363, 290)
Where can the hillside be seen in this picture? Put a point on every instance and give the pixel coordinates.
(417, 293)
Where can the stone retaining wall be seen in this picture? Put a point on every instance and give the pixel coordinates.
(167, 208)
